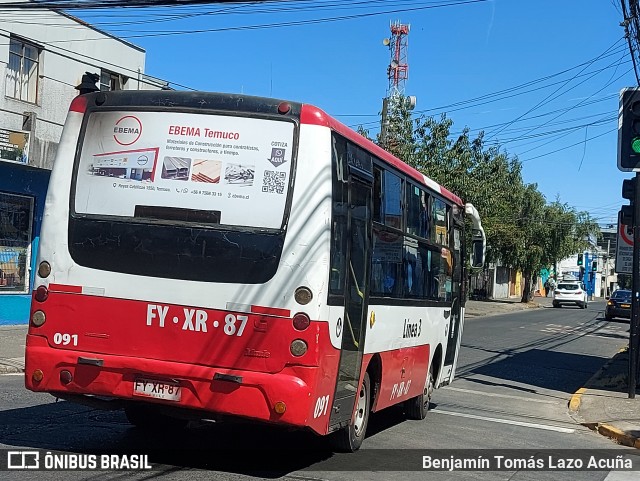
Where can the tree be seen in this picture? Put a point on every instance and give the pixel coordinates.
(529, 254)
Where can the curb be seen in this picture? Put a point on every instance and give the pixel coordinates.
(474, 315)
(576, 399)
(618, 435)
(604, 429)
(7, 369)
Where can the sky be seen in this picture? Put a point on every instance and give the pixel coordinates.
(541, 78)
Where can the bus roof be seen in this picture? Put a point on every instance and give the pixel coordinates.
(315, 116)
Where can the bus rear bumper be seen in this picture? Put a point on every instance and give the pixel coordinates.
(107, 380)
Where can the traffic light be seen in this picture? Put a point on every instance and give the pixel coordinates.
(580, 259)
(629, 193)
(594, 266)
(629, 130)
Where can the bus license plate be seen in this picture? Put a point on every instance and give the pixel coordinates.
(625, 306)
(157, 389)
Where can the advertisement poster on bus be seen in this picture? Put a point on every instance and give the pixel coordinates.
(132, 162)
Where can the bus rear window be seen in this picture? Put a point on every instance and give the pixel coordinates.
(184, 167)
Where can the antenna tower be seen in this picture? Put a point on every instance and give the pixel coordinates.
(398, 73)
(398, 69)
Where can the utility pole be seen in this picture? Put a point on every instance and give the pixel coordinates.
(635, 298)
(631, 25)
(629, 161)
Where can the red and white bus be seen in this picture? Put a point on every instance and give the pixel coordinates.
(216, 255)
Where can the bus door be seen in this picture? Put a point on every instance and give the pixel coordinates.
(356, 297)
(454, 332)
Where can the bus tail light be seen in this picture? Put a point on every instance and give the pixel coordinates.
(44, 269)
(301, 321)
(66, 377)
(298, 347)
(78, 104)
(284, 108)
(42, 293)
(37, 375)
(38, 318)
(303, 295)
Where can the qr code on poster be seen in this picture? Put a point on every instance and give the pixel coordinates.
(274, 181)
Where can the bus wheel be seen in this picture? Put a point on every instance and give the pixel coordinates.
(349, 439)
(417, 407)
(147, 417)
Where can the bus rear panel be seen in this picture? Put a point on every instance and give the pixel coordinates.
(165, 228)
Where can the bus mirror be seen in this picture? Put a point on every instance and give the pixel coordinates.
(477, 254)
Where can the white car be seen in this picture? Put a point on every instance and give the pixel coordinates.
(570, 292)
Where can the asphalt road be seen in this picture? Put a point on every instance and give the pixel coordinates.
(516, 374)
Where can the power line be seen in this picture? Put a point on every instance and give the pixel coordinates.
(281, 24)
(611, 81)
(569, 146)
(544, 101)
(498, 95)
(136, 4)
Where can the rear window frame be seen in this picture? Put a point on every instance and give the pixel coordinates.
(626, 295)
(186, 108)
(574, 286)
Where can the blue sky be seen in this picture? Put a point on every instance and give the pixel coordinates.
(559, 65)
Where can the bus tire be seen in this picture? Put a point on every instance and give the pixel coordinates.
(417, 407)
(349, 439)
(147, 417)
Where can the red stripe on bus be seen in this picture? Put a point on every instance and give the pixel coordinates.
(65, 288)
(314, 116)
(271, 311)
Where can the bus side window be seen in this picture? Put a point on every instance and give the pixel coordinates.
(415, 268)
(438, 277)
(392, 200)
(386, 263)
(377, 195)
(441, 222)
(414, 214)
(425, 218)
(337, 272)
(446, 272)
(427, 272)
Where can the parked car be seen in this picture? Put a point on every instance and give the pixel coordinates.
(618, 305)
(570, 293)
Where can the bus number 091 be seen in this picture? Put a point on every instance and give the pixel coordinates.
(321, 406)
(65, 339)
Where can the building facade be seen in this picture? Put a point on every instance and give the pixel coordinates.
(43, 57)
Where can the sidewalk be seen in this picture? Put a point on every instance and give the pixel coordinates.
(603, 404)
(12, 344)
(492, 307)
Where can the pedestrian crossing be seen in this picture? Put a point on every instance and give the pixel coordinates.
(604, 330)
